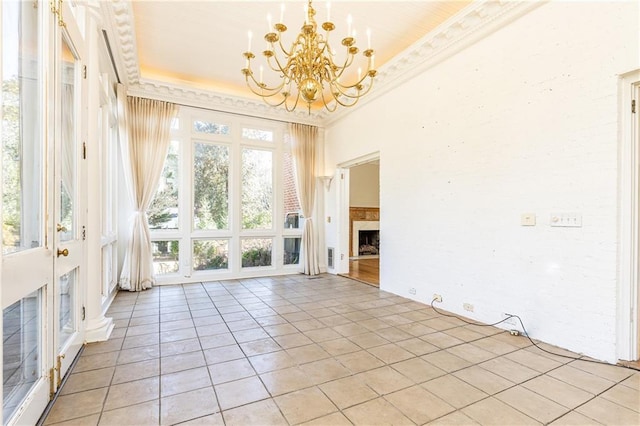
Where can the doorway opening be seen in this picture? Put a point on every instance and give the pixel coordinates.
(364, 222)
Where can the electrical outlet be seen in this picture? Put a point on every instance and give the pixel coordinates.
(467, 307)
(437, 298)
(412, 291)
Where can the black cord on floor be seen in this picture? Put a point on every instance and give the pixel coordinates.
(524, 332)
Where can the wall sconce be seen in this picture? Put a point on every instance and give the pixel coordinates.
(327, 181)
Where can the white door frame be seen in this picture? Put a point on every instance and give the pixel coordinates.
(628, 330)
(343, 207)
(65, 352)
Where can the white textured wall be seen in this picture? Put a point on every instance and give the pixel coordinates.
(524, 121)
(364, 186)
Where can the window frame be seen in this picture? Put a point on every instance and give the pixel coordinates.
(186, 234)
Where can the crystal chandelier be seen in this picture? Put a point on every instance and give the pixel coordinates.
(308, 70)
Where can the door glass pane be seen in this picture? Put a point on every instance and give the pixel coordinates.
(210, 186)
(166, 256)
(257, 189)
(292, 250)
(256, 252)
(22, 148)
(163, 212)
(20, 351)
(210, 254)
(68, 145)
(66, 303)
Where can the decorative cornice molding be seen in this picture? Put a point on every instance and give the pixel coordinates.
(217, 101)
(468, 26)
(471, 24)
(120, 27)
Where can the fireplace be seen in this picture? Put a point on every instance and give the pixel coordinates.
(365, 238)
(368, 242)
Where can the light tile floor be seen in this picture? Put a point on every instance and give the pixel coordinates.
(325, 351)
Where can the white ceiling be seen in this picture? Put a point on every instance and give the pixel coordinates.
(200, 43)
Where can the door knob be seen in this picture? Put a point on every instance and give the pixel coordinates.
(61, 228)
(64, 252)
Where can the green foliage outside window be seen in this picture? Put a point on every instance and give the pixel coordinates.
(11, 160)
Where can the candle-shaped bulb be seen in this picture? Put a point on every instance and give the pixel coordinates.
(354, 33)
(250, 34)
(368, 38)
(282, 13)
(328, 11)
(349, 20)
(269, 22)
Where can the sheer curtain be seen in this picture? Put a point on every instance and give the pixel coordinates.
(303, 148)
(145, 127)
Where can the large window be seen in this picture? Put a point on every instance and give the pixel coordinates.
(257, 189)
(226, 205)
(163, 211)
(210, 186)
(22, 147)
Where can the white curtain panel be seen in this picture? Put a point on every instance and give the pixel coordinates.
(303, 148)
(145, 131)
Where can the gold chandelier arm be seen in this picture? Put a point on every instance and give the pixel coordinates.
(344, 90)
(295, 104)
(347, 63)
(332, 101)
(286, 52)
(262, 90)
(278, 68)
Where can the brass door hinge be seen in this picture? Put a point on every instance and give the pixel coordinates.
(84, 150)
(52, 387)
(59, 368)
(633, 106)
(84, 72)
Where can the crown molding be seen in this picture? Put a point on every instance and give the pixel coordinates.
(218, 102)
(471, 24)
(120, 27)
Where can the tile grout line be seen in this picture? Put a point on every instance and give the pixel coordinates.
(303, 298)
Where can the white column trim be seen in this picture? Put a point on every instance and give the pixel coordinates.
(628, 216)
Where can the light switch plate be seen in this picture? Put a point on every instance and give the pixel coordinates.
(571, 220)
(528, 219)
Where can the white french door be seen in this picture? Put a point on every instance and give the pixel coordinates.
(68, 197)
(27, 266)
(42, 202)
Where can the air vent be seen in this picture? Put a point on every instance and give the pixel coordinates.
(330, 252)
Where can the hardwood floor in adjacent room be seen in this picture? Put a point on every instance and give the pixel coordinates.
(366, 270)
